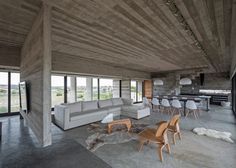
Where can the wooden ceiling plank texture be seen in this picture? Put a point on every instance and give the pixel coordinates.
(93, 26)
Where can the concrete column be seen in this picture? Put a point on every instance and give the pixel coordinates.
(72, 90)
(89, 89)
(125, 89)
(116, 88)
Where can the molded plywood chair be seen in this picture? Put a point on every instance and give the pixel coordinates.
(158, 136)
(191, 107)
(174, 127)
(166, 106)
(155, 103)
(176, 106)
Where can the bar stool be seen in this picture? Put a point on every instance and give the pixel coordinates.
(176, 106)
(191, 107)
(166, 105)
(155, 103)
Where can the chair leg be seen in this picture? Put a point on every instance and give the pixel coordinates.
(141, 145)
(194, 113)
(179, 134)
(174, 138)
(160, 152)
(187, 112)
(168, 148)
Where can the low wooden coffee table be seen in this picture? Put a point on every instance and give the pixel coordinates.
(126, 122)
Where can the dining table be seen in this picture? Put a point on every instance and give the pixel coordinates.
(185, 98)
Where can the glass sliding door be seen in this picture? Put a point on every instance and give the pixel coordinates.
(80, 88)
(133, 91)
(15, 102)
(4, 92)
(95, 89)
(139, 91)
(105, 90)
(136, 90)
(57, 90)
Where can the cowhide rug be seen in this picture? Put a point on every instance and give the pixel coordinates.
(119, 135)
(214, 134)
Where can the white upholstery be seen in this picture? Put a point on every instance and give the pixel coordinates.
(165, 103)
(176, 103)
(127, 101)
(105, 103)
(75, 107)
(145, 101)
(89, 105)
(117, 101)
(155, 101)
(72, 115)
(190, 104)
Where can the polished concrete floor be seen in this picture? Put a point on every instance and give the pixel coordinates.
(19, 146)
(19, 149)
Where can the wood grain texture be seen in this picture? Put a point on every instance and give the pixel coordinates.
(9, 56)
(36, 70)
(141, 35)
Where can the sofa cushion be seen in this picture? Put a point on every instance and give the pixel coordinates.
(89, 105)
(87, 114)
(127, 101)
(74, 107)
(117, 102)
(105, 103)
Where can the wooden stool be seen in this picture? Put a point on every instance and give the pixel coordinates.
(125, 122)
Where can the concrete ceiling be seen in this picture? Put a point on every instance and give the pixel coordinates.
(144, 35)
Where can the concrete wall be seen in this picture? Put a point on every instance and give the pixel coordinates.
(10, 56)
(211, 81)
(125, 89)
(74, 64)
(36, 70)
(170, 84)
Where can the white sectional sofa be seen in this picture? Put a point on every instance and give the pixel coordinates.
(72, 115)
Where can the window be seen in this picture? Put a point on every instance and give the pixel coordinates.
(136, 91)
(81, 88)
(15, 100)
(106, 87)
(3, 92)
(57, 90)
(133, 91)
(95, 88)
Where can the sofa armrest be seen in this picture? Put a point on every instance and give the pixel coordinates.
(62, 116)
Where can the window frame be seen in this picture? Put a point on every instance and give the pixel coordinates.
(9, 112)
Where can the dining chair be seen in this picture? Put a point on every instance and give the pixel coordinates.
(157, 136)
(176, 107)
(146, 102)
(155, 104)
(174, 127)
(191, 107)
(165, 104)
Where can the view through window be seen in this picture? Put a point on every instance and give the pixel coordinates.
(106, 87)
(136, 91)
(15, 100)
(57, 90)
(3, 92)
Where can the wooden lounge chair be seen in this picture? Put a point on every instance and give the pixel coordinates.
(174, 127)
(158, 136)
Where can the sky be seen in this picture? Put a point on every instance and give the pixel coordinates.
(81, 81)
(56, 80)
(15, 78)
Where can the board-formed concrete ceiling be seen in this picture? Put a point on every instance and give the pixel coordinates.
(144, 35)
